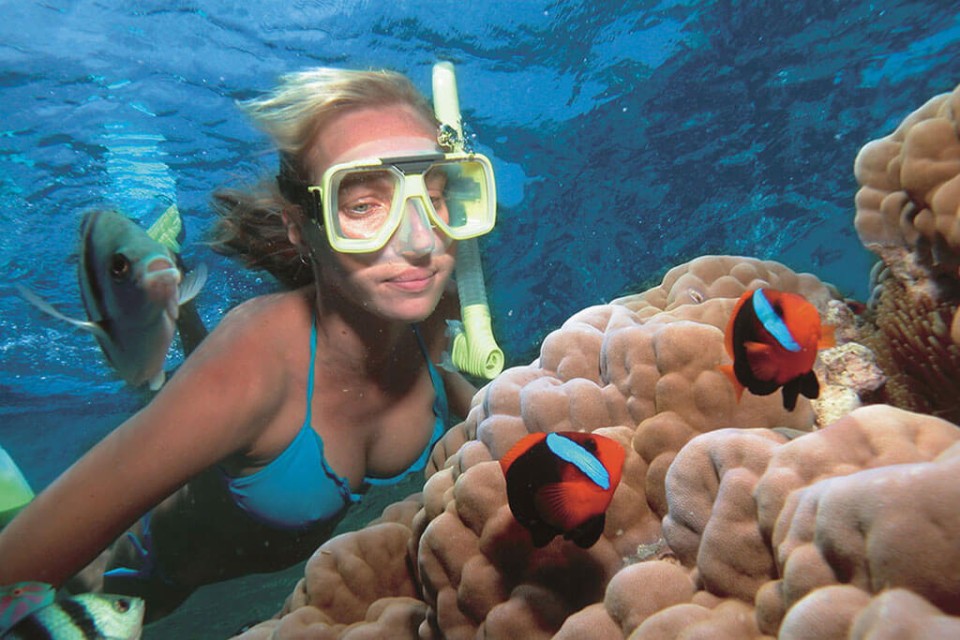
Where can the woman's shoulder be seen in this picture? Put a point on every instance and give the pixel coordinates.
(270, 317)
(259, 329)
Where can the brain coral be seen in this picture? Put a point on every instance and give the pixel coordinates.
(908, 213)
(731, 520)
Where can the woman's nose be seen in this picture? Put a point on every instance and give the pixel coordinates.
(416, 235)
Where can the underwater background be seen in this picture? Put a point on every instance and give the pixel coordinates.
(627, 137)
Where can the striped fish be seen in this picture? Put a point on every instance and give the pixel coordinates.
(132, 290)
(88, 616)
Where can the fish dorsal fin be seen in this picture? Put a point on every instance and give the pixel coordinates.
(772, 322)
(192, 283)
(569, 451)
(167, 228)
(519, 448)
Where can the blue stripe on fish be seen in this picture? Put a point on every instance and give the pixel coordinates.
(772, 322)
(569, 451)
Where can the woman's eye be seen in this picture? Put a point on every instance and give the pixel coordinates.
(362, 208)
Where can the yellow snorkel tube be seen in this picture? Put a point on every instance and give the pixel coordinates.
(473, 349)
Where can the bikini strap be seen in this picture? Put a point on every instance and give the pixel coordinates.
(440, 408)
(313, 356)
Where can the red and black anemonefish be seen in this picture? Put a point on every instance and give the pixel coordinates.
(773, 338)
(562, 483)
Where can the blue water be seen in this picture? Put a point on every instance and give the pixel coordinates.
(627, 137)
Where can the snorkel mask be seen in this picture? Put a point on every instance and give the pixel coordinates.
(362, 204)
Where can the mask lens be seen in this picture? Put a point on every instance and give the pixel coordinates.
(364, 202)
(461, 197)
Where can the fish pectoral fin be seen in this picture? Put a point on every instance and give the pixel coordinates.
(761, 359)
(49, 309)
(566, 505)
(192, 283)
(157, 380)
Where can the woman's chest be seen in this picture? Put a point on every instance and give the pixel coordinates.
(370, 431)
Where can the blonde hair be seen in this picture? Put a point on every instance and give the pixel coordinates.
(251, 225)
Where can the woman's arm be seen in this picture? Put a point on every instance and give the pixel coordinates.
(214, 406)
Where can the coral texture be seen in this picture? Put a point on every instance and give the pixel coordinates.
(908, 213)
(732, 520)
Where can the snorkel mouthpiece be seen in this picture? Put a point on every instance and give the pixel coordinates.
(474, 349)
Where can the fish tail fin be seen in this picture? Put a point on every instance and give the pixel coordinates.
(727, 370)
(828, 337)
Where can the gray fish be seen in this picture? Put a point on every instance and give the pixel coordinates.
(88, 616)
(132, 290)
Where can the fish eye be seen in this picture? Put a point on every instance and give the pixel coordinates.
(122, 605)
(119, 266)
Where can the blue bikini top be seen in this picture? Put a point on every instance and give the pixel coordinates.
(298, 488)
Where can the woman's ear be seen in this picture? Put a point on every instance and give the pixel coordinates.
(293, 229)
(304, 233)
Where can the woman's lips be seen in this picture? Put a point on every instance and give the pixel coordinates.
(413, 281)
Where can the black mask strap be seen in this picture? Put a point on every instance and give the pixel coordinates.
(295, 190)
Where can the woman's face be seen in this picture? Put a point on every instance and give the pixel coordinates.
(404, 280)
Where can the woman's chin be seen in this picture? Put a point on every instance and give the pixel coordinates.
(408, 312)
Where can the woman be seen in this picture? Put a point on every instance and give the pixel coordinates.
(250, 454)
